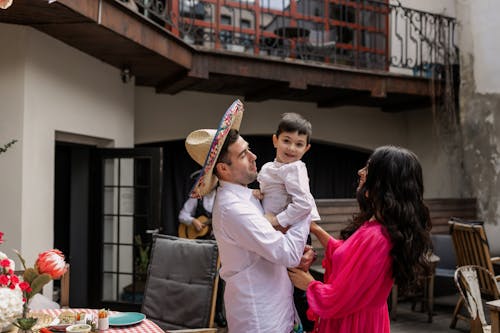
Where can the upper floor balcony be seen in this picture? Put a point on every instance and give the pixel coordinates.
(331, 52)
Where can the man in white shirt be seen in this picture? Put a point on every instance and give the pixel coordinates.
(254, 256)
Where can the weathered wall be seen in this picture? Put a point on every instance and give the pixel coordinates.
(479, 106)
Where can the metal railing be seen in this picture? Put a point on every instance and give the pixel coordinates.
(360, 33)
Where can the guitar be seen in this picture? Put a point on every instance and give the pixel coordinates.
(190, 232)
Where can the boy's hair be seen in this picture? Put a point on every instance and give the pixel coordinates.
(294, 122)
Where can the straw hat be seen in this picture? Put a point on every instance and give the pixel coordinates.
(204, 146)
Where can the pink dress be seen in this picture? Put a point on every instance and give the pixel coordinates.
(358, 280)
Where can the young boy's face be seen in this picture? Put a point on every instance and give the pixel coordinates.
(290, 146)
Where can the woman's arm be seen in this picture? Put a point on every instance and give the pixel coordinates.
(320, 234)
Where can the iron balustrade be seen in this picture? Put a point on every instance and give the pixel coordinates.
(368, 34)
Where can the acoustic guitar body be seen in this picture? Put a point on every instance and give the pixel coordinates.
(190, 232)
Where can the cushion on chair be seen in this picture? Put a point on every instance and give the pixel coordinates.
(180, 282)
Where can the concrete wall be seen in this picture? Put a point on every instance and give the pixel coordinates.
(47, 86)
(166, 117)
(479, 104)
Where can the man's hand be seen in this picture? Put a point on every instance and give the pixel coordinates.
(198, 225)
(308, 257)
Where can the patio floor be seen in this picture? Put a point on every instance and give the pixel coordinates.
(408, 321)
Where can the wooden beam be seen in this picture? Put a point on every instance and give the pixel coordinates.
(137, 29)
(265, 91)
(379, 83)
(176, 83)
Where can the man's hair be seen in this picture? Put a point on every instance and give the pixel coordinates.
(294, 122)
(231, 138)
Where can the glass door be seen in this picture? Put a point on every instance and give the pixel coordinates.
(130, 192)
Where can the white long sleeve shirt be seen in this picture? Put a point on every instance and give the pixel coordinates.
(258, 295)
(188, 211)
(286, 192)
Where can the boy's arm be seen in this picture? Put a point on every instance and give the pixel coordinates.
(296, 182)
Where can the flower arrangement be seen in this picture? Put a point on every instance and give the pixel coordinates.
(15, 293)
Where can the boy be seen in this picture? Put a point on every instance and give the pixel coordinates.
(284, 183)
(284, 187)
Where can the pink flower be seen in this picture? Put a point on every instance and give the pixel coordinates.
(4, 4)
(51, 262)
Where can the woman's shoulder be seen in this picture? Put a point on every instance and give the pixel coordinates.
(373, 228)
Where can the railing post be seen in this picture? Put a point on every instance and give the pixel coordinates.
(217, 24)
(256, 8)
(174, 12)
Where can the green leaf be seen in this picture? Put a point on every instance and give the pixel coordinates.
(38, 283)
(29, 275)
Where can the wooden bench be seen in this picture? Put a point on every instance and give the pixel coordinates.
(337, 213)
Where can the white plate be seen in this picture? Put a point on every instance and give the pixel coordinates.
(126, 318)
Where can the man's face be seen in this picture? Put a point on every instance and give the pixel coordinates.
(242, 169)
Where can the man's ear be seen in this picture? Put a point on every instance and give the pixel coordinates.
(307, 148)
(221, 169)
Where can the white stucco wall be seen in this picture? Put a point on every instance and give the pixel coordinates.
(50, 87)
(167, 117)
(12, 63)
(484, 43)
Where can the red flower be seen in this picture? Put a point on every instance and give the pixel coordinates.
(14, 279)
(1, 237)
(51, 262)
(5, 263)
(4, 279)
(25, 286)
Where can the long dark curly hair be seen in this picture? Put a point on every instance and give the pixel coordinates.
(393, 194)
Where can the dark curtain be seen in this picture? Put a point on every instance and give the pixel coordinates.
(332, 172)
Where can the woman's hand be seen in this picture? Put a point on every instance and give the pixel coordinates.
(300, 279)
(307, 259)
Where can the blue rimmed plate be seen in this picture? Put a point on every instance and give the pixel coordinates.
(126, 318)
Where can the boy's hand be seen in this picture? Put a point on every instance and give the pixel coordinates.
(258, 194)
(272, 219)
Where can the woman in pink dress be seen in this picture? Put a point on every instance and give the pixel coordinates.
(387, 242)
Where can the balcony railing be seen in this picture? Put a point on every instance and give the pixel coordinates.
(367, 34)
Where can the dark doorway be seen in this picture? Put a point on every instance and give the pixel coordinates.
(71, 215)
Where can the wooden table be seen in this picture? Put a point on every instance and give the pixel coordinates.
(146, 326)
(494, 307)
